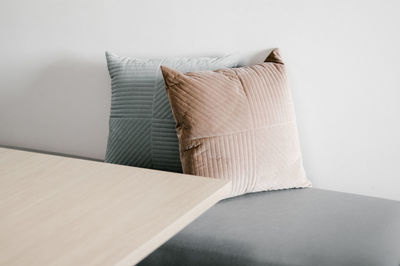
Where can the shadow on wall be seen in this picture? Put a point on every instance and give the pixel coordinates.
(63, 105)
(64, 108)
(255, 58)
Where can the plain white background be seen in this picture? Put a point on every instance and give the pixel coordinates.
(343, 59)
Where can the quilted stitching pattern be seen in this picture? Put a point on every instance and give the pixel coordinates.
(142, 128)
(238, 124)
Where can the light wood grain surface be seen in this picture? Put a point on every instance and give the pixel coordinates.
(69, 212)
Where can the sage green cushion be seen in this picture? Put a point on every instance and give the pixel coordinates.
(142, 128)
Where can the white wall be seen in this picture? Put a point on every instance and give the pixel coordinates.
(343, 57)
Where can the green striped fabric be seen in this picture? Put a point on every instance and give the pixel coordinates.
(142, 128)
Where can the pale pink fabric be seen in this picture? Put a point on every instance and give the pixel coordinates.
(238, 124)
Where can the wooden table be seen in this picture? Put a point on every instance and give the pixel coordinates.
(62, 211)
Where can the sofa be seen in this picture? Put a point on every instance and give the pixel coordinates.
(303, 227)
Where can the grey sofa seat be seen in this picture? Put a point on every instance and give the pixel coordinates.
(289, 227)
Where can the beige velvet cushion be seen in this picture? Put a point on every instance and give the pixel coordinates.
(238, 124)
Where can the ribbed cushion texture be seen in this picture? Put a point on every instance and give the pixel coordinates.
(142, 128)
(238, 124)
